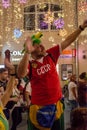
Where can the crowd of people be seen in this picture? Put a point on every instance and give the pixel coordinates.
(44, 98)
(77, 99)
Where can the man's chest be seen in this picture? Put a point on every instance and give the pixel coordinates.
(42, 67)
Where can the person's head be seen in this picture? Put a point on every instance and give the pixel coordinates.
(39, 51)
(83, 76)
(73, 77)
(3, 74)
(79, 119)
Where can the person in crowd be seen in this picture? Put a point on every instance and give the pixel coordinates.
(65, 89)
(3, 79)
(45, 84)
(79, 119)
(4, 98)
(23, 92)
(16, 113)
(68, 78)
(73, 97)
(4, 74)
(15, 103)
(25, 88)
(82, 90)
(27, 93)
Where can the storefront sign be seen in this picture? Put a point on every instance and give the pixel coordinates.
(16, 56)
(68, 53)
(16, 53)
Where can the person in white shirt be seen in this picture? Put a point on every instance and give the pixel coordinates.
(72, 87)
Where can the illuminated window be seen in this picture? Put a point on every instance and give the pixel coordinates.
(41, 16)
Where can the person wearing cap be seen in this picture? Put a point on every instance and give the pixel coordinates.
(47, 108)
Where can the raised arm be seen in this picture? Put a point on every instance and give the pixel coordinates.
(12, 80)
(10, 85)
(72, 37)
(23, 65)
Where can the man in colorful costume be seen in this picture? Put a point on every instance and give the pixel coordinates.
(46, 108)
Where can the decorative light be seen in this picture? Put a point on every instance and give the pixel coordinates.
(22, 1)
(62, 32)
(61, 15)
(82, 6)
(59, 23)
(6, 3)
(43, 25)
(68, 1)
(42, 5)
(1, 12)
(17, 33)
(7, 29)
(49, 17)
(70, 25)
(0, 37)
(51, 39)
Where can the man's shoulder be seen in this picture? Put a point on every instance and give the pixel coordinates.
(52, 48)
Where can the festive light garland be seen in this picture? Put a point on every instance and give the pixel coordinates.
(11, 15)
(5, 3)
(82, 6)
(59, 23)
(43, 25)
(22, 1)
(49, 17)
(62, 32)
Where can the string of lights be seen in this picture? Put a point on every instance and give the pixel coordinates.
(12, 18)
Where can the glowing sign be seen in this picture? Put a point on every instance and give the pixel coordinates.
(68, 53)
(16, 53)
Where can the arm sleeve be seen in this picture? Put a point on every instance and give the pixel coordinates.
(55, 51)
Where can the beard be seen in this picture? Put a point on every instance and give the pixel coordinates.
(38, 54)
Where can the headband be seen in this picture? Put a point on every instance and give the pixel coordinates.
(35, 40)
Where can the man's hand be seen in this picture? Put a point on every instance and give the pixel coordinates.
(28, 45)
(84, 25)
